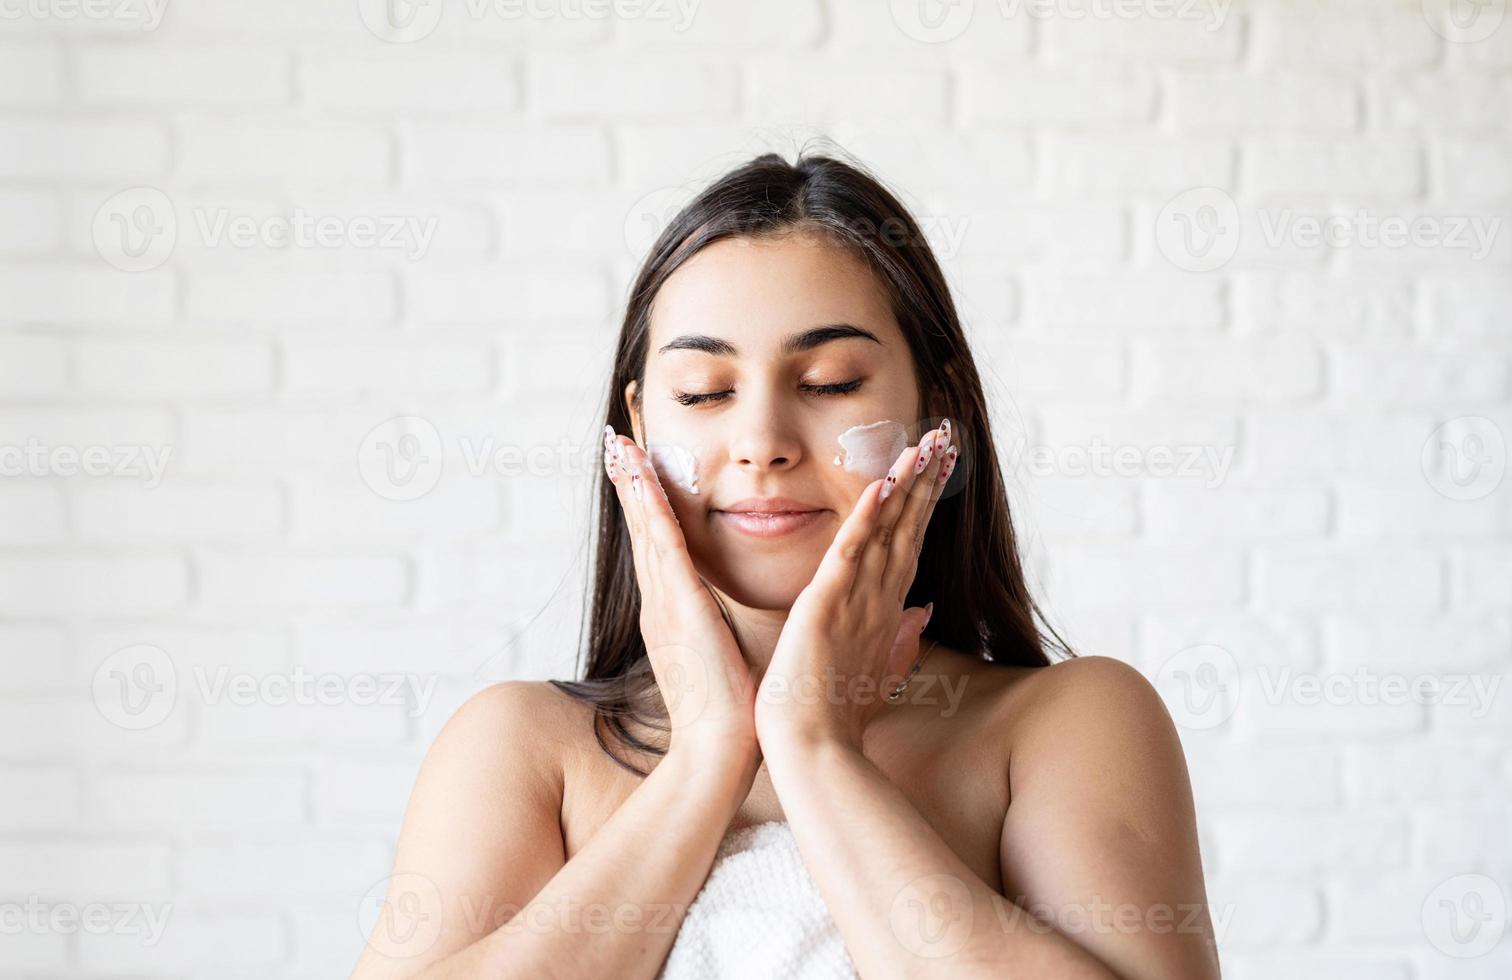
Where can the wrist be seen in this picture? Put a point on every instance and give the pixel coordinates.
(729, 765)
(779, 744)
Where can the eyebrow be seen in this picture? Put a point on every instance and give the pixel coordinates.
(793, 344)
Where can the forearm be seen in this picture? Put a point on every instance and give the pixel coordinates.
(614, 909)
(904, 903)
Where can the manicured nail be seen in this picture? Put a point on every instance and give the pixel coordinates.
(609, 441)
(949, 465)
(928, 612)
(926, 453)
(889, 483)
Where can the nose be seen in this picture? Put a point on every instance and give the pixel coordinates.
(763, 439)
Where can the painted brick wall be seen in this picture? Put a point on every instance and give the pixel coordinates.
(305, 315)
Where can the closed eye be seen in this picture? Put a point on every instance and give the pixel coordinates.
(699, 398)
(838, 388)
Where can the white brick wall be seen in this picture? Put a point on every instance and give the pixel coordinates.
(1121, 199)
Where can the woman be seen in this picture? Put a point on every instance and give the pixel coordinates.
(793, 407)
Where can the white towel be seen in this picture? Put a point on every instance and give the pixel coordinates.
(758, 916)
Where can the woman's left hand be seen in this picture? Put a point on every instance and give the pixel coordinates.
(848, 640)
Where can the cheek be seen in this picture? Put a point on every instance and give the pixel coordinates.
(679, 448)
(677, 464)
(870, 450)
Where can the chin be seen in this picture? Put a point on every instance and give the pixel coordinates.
(767, 583)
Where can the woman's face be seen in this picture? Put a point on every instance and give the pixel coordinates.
(762, 355)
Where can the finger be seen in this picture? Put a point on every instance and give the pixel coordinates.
(664, 544)
(908, 535)
(907, 641)
(837, 570)
(910, 566)
(902, 480)
(629, 499)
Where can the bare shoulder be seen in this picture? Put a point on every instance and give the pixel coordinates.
(1090, 708)
(482, 825)
(1101, 809)
(526, 722)
(512, 734)
(1078, 690)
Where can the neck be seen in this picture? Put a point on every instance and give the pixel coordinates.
(756, 632)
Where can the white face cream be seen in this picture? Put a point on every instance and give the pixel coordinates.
(674, 464)
(870, 450)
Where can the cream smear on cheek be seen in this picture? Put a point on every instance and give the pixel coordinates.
(870, 450)
(675, 464)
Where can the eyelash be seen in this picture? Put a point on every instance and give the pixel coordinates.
(839, 388)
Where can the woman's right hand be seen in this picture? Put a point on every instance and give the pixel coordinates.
(708, 688)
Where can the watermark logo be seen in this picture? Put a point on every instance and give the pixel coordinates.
(136, 687)
(932, 21)
(682, 676)
(136, 229)
(401, 916)
(1198, 229)
(1465, 458)
(932, 916)
(400, 21)
(1200, 685)
(1465, 916)
(649, 216)
(401, 459)
(1464, 21)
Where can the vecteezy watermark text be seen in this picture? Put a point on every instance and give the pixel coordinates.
(37, 917)
(1209, 463)
(407, 21)
(147, 13)
(37, 458)
(137, 687)
(138, 228)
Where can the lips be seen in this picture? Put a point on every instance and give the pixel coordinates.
(769, 517)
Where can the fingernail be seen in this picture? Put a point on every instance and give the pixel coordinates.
(888, 484)
(928, 612)
(926, 453)
(949, 464)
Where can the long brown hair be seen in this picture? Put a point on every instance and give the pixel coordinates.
(970, 562)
